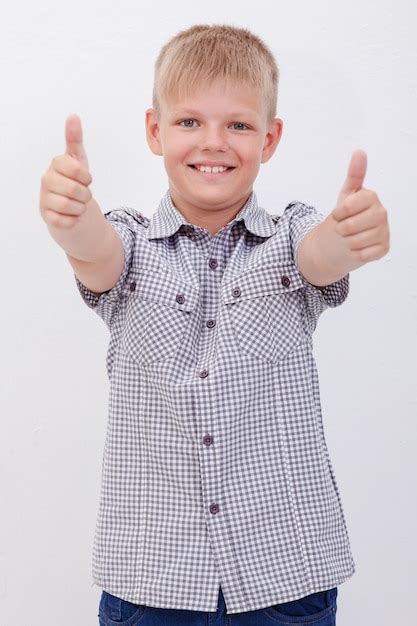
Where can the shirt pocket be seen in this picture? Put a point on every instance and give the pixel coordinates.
(157, 314)
(266, 311)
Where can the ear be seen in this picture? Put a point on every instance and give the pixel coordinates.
(152, 131)
(272, 139)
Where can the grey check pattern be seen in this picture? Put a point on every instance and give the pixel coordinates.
(215, 467)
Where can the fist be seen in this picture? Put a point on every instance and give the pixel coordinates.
(359, 219)
(64, 194)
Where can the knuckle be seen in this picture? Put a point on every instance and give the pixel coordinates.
(347, 226)
(362, 255)
(56, 217)
(53, 217)
(85, 176)
(348, 205)
(58, 159)
(66, 204)
(77, 168)
(60, 221)
(72, 187)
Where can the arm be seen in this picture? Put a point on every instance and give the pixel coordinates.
(74, 218)
(101, 274)
(314, 260)
(93, 248)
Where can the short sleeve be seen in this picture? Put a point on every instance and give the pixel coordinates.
(303, 218)
(126, 223)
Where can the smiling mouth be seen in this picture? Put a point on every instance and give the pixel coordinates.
(212, 174)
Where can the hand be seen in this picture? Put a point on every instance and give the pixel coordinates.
(65, 195)
(359, 218)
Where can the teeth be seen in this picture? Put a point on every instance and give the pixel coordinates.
(211, 170)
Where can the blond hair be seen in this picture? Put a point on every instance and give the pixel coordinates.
(204, 53)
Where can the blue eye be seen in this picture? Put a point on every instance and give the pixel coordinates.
(192, 120)
(240, 124)
(189, 120)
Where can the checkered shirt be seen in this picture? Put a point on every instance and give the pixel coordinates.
(215, 468)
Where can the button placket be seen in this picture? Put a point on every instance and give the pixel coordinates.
(207, 441)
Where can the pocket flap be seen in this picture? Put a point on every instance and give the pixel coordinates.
(262, 281)
(162, 288)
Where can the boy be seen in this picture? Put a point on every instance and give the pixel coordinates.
(216, 469)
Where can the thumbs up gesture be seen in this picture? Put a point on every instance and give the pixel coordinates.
(360, 218)
(65, 195)
(354, 233)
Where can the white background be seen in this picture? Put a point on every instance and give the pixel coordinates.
(348, 80)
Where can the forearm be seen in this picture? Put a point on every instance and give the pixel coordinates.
(320, 259)
(90, 239)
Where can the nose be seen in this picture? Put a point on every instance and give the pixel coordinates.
(213, 138)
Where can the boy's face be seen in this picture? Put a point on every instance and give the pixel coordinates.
(216, 125)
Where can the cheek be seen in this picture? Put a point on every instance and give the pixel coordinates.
(173, 158)
(249, 152)
(179, 154)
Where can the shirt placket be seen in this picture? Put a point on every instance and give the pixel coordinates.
(212, 260)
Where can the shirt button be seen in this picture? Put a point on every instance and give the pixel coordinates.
(203, 373)
(132, 286)
(213, 263)
(180, 298)
(210, 323)
(236, 292)
(285, 281)
(214, 507)
(207, 440)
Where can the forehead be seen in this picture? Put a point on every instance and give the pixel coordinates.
(217, 97)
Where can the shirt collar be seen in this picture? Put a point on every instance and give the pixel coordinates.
(167, 219)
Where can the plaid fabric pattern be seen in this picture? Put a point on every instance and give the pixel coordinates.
(215, 467)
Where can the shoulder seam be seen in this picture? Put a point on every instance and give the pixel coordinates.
(137, 215)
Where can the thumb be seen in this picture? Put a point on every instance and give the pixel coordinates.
(74, 139)
(355, 176)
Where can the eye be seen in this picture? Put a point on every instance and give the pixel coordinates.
(187, 125)
(240, 124)
(184, 124)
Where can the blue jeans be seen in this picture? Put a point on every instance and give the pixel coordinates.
(318, 608)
